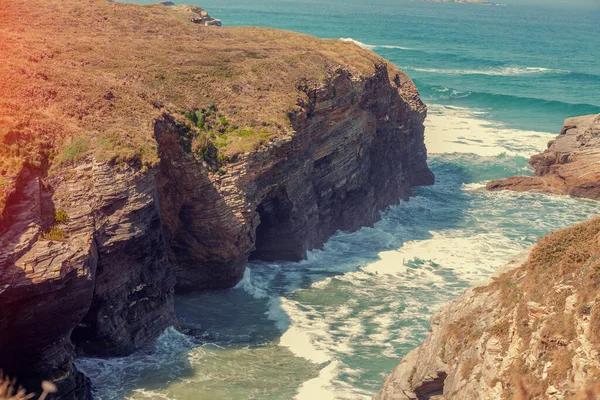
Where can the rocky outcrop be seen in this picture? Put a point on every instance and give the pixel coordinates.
(570, 165)
(357, 148)
(82, 262)
(100, 238)
(114, 212)
(197, 15)
(530, 334)
(46, 288)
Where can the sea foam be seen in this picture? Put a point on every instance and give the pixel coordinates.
(462, 130)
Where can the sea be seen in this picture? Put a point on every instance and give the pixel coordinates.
(498, 81)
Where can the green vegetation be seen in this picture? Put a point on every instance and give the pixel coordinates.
(211, 137)
(61, 217)
(55, 234)
(76, 150)
(100, 95)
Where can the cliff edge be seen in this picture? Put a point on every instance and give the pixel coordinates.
(570, 165)
(533, 333)
(144, 152)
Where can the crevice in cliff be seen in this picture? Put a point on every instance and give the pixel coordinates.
(275, 237)
(431, 387)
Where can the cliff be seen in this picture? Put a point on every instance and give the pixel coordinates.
(144, 152)
(570, 165)
(530, 334)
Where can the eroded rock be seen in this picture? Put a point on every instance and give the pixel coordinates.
(570, 165)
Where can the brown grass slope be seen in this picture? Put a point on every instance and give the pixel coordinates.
(80, 77)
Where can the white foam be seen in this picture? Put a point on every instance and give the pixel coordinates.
(149, 394)
(277, 314)
(503, 71)
(373, 46)
(327, 386)
(300, 343)
(359, 44)
(248, 286)
(300, 337)
(274, 312)
(320, 387)
(388, 264)
(472, 187)
(387, 46)
(462, 130)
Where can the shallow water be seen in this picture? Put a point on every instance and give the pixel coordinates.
(497, 81)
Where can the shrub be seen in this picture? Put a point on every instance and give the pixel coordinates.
(55, 234)
(191, 115)
(75, 151)
(245, 132)
(201, 121)
(61, 217)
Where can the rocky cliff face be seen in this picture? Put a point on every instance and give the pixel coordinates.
(357, 148)
(91, 252)
(569, 166)
(83, 262)
(530, 334)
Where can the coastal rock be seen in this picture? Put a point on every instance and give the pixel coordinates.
(570, 165)
(133, 293)
(104, 209)
(83, 261)
(197, 15)
(46, 288)
(358, 147)
(530, 334)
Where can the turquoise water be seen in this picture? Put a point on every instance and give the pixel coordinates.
(498, 82)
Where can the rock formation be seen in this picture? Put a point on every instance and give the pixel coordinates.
(530, 334)
(357, 148)
(570, 165)
(114, 192)
(197, 15)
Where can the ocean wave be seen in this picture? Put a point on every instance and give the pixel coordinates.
(374, 46)
(499, 101)
(503, 71)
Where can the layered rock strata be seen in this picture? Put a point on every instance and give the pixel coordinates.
(570, 165)
(530, 334)
(357, 148)
(92, 249)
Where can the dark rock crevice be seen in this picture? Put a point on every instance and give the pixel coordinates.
(275, 235)
(431, 387)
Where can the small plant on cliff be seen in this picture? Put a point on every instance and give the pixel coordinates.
(55, 234)
(75, 151)
(61, 217)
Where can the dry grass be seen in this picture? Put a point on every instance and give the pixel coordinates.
(90, 76)
(9, 390)
(563, 263)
